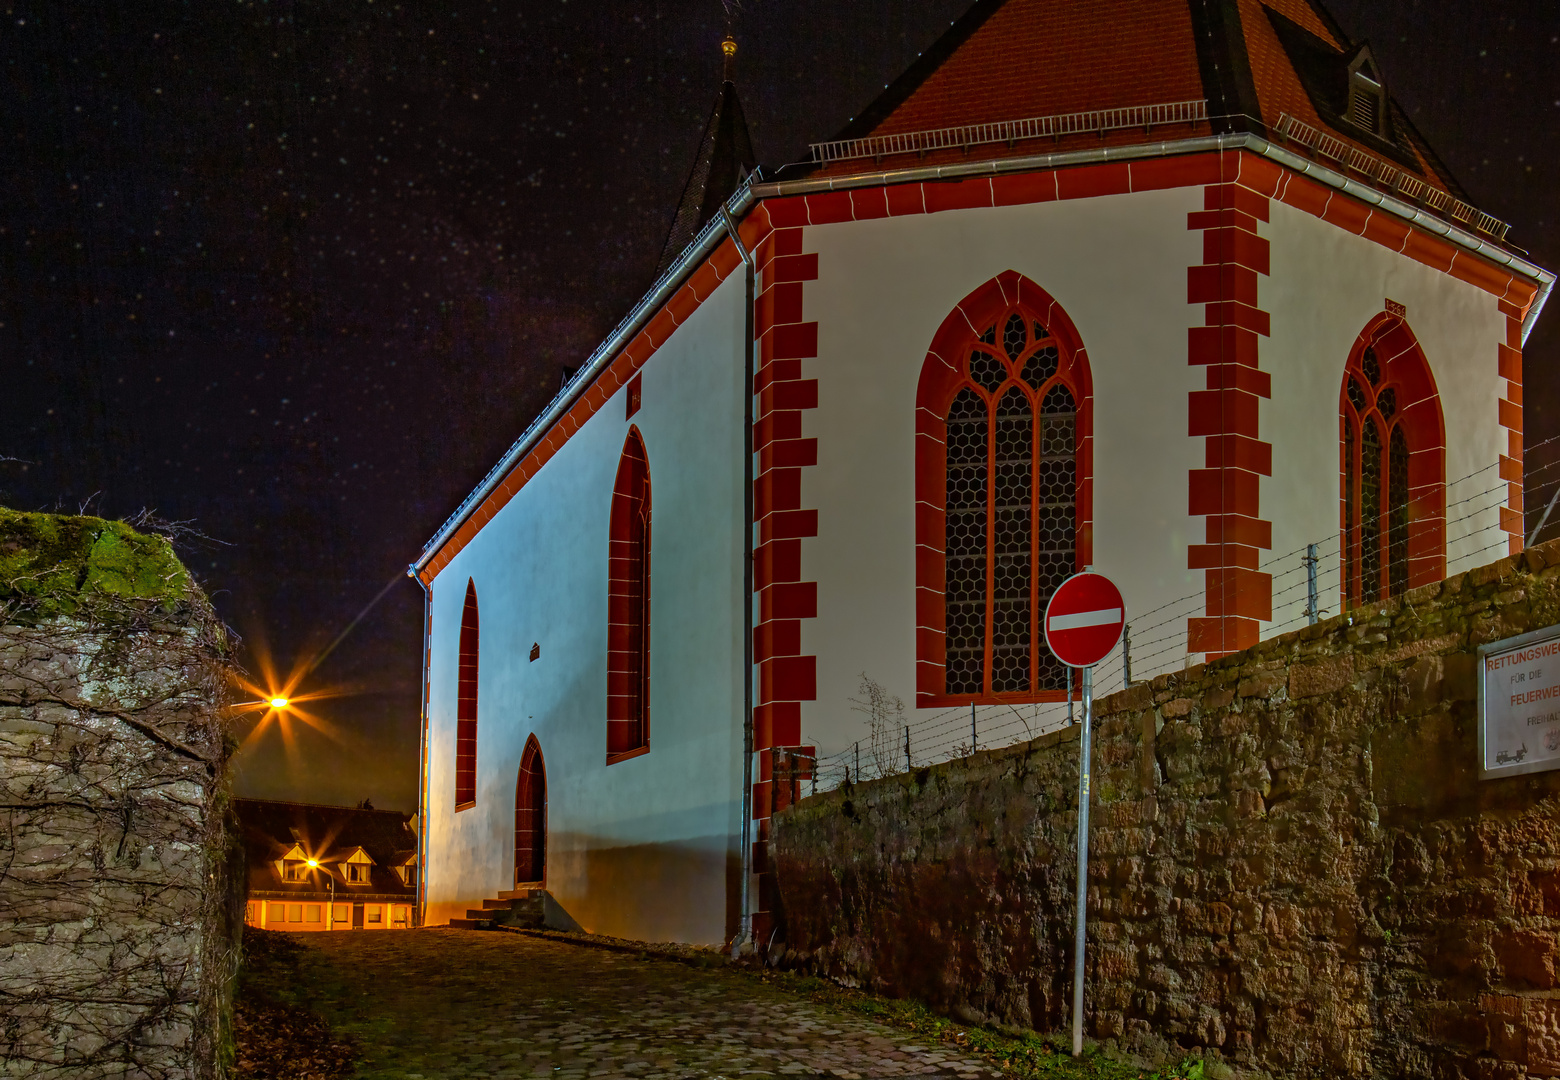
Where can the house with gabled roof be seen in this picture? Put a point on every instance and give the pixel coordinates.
(313, 867)
(1169, 288)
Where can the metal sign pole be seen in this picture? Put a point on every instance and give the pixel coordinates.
(1084, 744)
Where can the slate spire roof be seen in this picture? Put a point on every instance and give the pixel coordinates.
(1252, 61)
(725, 158)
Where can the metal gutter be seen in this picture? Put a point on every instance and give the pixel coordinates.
(1544, 279)
(750, 366)
(422, 760)
(750, 193)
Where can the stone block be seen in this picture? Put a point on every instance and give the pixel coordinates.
(1218, 698)
(1262, 684)
(1527, 958)
(1176, 708)
(1322, 677)
(1460, 677)
(1541, 1036)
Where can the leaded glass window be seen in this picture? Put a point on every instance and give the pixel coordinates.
(1011, 508)
(1376, 507)
(966, 544)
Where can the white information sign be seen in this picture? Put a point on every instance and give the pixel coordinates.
(1519, 704)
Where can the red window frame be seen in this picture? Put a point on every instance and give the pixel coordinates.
(466, 702)
(1415, 412)
(628, 606)
(944, 374)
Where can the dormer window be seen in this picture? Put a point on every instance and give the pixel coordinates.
(1367, 96)
(292, 870)
(355, 868)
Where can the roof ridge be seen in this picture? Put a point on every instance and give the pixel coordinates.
(911, 79)
(1224, 62)
(724, 159)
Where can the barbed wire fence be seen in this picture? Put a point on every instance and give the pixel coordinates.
(1307, 586)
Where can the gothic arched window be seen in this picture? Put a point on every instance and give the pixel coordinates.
(628, 606)
(1394, 495)
(1011, 485)
(466, 703)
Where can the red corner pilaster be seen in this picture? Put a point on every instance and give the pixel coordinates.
(1226, 415)
(1510, 412)
(785, 678)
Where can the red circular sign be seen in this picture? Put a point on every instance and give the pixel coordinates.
(1084, 619)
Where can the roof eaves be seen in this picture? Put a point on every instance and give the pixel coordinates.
(662, 291)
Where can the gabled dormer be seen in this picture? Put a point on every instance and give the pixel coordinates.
(356, 868)
(293, 864)
(1367, 96)
(1348, 91)
(405, 866)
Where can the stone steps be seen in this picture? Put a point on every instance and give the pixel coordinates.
(524, 908)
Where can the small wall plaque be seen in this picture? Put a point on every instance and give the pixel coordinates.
(1395, 308)
(1519, 704)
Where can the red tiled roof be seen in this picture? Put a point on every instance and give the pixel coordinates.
(1025, 61)
(1011, 60)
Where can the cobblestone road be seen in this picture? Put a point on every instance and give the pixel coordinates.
(442, 1004)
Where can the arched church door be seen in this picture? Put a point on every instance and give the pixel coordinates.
(531, 816)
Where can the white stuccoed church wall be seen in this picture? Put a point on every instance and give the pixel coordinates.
(643, 848)
(1118, 265)
(647, 848)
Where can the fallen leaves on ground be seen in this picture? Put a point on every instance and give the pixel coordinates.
(277, 1040)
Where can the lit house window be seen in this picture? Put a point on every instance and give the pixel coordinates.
(356, 873)
(292, 870)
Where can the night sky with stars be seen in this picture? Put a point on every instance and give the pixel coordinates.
(299, 273)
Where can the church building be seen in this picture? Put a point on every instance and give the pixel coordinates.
(1169, 288)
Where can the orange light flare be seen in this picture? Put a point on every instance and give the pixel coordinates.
(283, 707)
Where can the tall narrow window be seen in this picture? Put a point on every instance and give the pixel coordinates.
(531, 816)
(628, 603)
(466, 704)
(1394, 496)
(1011, 505)
(966, 539)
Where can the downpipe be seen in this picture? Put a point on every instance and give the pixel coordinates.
(422, 753)
(745, 931)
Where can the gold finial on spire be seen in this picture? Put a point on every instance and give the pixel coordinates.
(728, 48)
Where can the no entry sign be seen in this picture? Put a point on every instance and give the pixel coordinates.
(1084, 619)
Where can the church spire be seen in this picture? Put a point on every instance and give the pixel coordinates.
(724, 159)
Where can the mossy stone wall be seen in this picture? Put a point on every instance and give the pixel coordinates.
(119, 911)
(1295, 869)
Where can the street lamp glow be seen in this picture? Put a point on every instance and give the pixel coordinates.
(313, 864)
(278, 703)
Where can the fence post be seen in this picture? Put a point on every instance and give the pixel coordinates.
(858, 763)
(1069, 695)
(908, 765)
(1126, 655)
(1310, 584)
(972, 727)
(815, 774)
